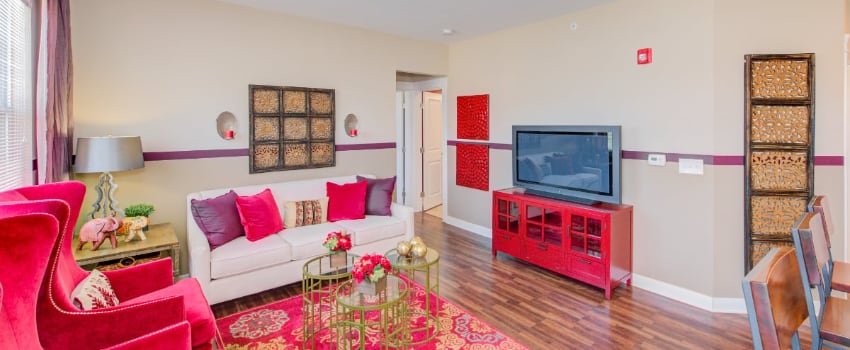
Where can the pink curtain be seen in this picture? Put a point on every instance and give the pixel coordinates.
(59, 109)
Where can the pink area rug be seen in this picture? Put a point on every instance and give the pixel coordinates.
(277, 326)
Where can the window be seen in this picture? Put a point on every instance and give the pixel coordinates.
(15, 94)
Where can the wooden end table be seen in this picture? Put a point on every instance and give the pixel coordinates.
(160, 238)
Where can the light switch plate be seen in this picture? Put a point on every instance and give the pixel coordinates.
(657, 159)
(690, 166)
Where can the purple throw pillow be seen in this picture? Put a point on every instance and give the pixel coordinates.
(218, 218)
(379, 195)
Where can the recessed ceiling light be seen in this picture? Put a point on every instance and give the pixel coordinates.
(448, 31)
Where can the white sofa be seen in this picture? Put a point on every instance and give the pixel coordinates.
(240, 267)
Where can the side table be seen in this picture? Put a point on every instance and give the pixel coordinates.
(319, 281)
(384, 314)
(427, 319)
(160, 239)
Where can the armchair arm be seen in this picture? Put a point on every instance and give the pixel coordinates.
(173, 337)
(141, 279)
(100, 328)
(198, 248)
(404, 213)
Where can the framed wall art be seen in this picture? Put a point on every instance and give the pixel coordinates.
(291, 128)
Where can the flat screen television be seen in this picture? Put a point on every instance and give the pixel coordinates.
(579, 163)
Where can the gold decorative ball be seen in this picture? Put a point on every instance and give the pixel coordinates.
(403, 248)
(416, 239)
(418, 250)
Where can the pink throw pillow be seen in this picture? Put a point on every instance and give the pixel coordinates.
(347, 201)
(259, 215)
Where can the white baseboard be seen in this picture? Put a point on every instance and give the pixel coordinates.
(476, 229)
(687, 296)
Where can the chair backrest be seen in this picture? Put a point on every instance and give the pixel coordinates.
(810, 241)
(64, 272)
(820, 205)
(28, 235)
(775, 298)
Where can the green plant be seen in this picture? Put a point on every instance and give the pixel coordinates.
(138, 210)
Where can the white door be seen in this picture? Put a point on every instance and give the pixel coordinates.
(432, 149)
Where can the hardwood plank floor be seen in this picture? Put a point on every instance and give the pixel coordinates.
(544, 310)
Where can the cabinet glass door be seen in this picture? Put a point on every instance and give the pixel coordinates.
(508, 216)
(594, 237)
(543, 224)
(577, 234)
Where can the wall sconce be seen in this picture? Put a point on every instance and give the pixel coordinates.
(226, 125)
(351, 125)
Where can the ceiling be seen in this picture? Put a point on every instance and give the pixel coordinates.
(426, 20)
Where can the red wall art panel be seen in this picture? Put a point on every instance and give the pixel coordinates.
(473, 166)
(473, 117)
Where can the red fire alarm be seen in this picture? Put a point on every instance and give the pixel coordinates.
(644, 56)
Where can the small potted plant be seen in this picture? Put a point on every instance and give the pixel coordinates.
(370, 273)
(136, 220)
(338, 244)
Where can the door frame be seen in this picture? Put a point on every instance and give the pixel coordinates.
(407, 168)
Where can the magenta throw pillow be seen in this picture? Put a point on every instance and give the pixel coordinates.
(347, 201)
(259, 215)
(379, 195)
(218, 218)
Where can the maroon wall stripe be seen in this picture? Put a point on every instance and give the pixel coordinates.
(674, 157)
(243, 152)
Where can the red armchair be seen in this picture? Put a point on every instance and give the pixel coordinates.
(150, 302)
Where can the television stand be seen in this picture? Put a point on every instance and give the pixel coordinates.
(590, 243)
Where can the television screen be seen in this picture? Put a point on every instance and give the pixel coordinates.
(579, 162)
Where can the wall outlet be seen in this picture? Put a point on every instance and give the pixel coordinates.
(690, 166)
(657, 159)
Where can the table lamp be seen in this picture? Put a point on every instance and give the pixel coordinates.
(105, 155)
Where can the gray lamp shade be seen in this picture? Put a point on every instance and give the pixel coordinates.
(108, 153)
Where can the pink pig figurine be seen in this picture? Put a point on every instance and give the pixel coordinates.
(97, 231)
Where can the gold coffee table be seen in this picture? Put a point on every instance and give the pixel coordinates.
(429, 269)
(319, 282)
(385, 314)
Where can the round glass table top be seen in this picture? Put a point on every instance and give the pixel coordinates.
(405, 263)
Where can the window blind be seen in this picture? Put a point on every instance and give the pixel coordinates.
(15, 94)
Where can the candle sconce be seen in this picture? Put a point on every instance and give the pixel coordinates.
(226, 125)
(351, 125)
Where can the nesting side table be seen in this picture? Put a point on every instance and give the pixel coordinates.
(318, 284)
(428, 268)
(385, 314)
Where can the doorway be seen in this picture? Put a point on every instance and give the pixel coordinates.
(421, 168)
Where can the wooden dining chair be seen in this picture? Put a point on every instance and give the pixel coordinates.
(830, 326)
(837, 271)
(775, 298)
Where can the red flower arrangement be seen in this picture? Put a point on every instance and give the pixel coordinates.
(374, 267)
(338, 241)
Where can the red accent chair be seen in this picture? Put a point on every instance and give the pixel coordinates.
(150, 302)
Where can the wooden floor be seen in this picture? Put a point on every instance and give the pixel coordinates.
(544, 310)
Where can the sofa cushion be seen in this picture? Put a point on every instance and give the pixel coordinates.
(379, 195)
(306, 212)
(240, 255)
(259, 214)
(373, 228)
(198, 312)
(306, 241)
(346, 201)
(218, 218)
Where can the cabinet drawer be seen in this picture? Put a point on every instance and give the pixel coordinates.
(587, 269)
(544, 255)
(508, 243)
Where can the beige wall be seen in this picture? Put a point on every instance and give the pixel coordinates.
(165, 69)
(688, 229)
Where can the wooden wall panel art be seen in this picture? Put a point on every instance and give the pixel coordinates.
(779, 149)
(472, 167)
(291, 128)
(473, 117)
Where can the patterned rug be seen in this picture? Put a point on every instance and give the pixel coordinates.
(278, 326)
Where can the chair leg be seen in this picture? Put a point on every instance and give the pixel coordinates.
(795, 341)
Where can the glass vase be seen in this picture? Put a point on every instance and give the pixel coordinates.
(339, 259)
(372, 288)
